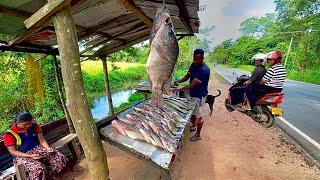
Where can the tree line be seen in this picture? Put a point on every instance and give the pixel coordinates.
(298, 20)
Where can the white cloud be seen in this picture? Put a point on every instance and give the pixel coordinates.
(226, 15)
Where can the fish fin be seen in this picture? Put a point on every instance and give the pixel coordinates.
(157, 98)
(150, 82)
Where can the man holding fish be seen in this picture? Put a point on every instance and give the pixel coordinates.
(199, 74)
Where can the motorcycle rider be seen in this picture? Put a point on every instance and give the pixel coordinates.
(237, 93)
(271, 82)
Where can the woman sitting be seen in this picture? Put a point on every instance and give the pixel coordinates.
(24, 141)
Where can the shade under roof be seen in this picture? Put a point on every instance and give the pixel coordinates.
(103, 26)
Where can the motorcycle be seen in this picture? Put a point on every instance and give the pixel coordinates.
(267, 103)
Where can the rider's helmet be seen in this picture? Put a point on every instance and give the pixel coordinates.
(259, 56)
(276, 55)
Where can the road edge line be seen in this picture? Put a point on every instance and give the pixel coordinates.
(304, 135)
(302, 140)
(313, 152)
(225, 78)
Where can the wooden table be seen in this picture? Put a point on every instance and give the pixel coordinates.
(151, 154)
(143, 88)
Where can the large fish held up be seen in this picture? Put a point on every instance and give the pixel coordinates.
(163, 54)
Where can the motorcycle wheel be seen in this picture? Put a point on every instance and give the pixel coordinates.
(227, 105)
(267, 119)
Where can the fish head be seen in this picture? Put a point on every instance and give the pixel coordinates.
(157, 21)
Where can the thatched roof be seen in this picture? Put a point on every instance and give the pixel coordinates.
(104, 26)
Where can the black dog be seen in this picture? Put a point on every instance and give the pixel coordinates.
(210, 100)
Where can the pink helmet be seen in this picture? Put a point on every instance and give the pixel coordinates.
(275, 55)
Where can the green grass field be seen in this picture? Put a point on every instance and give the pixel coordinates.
(127, 76)
(95, 67)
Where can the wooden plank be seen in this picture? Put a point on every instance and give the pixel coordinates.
(184, 15)
(107, 51)
(20, 171)
(8, 173)
(45, 12)
(64, 140)
(99, 42)
(27, 49)
(131, 7)
(39, 20)
(102, 26)
(28, 33)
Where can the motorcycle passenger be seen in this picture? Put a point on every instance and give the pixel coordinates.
(237, 93)
(271, 82)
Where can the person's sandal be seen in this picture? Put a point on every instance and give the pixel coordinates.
(194, 138)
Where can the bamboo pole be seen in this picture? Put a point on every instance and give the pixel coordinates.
(77, 102)
(107, 85)
(289, 49)
(58, 75)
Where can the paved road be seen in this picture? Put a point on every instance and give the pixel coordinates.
(301, 103)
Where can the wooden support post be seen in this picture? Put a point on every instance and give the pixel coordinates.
(77, 102)
(58, 75)
(107, 85)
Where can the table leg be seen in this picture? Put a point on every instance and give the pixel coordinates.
(165, 174)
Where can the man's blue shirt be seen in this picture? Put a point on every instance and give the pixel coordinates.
(201, 73)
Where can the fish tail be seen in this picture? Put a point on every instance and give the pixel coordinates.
(157, 98)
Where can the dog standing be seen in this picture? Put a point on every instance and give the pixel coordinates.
(210, 100)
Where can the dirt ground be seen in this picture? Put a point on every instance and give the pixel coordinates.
(233, 146)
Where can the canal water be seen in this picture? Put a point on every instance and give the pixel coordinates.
(100, 106)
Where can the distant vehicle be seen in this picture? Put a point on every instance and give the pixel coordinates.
(268, 104)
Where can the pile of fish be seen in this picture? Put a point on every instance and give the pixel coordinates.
(162, 127)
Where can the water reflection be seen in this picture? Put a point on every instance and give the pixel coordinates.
(100, 107)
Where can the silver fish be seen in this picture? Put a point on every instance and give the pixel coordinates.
(162, 57)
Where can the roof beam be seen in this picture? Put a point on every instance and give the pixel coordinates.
(25, 15)
(35, 23)
(132, 29)
(101, 26)
(107, 51)
(39, 19)
(90, 31)
(184, 15)
(45, 12)
(28, 33)
(131, 7)
(28, 49)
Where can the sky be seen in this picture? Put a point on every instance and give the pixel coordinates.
(226, 15)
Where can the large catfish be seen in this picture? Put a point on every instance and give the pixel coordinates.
(163, 55)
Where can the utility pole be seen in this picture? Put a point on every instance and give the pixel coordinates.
(289, 49)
